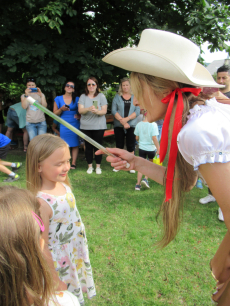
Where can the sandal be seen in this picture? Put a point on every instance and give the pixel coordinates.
(25, 150)
(73, 167)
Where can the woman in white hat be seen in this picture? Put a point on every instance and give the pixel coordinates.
(167, 81)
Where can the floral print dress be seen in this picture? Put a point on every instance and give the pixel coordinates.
(68, 244)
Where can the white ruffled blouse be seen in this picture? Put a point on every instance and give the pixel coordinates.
(205, 136)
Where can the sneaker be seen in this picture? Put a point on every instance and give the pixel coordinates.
(18, 165)
(145, 184)
(132, 171)
(220, 215)
(11, 179)
(98, 170)
(114, 170)
(138, 187)
(209, 198)
(90, 170)
(199, 184)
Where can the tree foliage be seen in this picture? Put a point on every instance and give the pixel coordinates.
(66, 39)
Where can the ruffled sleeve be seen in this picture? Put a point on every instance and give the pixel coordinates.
(205, 137)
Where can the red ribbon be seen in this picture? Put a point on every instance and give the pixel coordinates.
(176, 129)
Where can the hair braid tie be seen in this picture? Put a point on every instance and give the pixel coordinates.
(176, 129)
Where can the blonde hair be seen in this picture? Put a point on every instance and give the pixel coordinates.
(184, 175)
(40, 148)
(120, 92)
(24, 274)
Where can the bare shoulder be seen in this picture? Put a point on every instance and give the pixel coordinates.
(45, 209)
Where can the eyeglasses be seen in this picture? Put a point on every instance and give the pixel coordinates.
(39, 221)
(68, 85)
(89, 84)
(30, 80)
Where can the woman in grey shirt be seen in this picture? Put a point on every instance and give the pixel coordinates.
(93, 106)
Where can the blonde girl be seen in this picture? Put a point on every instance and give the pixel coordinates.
(66, 249)
(146, 134)
(25, 278)
(167, 82)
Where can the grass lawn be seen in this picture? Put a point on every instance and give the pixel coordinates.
(121, 229)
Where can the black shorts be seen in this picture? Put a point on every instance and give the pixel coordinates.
(4, 150)
(144, 154)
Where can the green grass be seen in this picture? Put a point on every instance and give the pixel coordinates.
(122, 229)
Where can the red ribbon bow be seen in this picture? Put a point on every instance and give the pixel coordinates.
(176, 129)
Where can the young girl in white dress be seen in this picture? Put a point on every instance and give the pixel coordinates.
(167, 82)
(25, 278)
(66, 249)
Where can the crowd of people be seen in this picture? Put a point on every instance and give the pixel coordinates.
(45, 240)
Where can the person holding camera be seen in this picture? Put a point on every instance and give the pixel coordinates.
(93, 107)
(66, 106)
(35, 118)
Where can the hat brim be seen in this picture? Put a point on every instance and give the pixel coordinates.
(143, 61)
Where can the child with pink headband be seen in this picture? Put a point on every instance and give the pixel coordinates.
(25, 278)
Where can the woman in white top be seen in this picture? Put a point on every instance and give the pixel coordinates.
(35, 118)
(167, 82)
(92, 107)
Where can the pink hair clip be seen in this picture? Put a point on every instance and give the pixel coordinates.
(39, 221)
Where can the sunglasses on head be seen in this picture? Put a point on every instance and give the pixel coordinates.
(68, 85)
(30, 80)
(93, 84)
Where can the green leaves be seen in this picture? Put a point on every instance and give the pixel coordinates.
(60, 39)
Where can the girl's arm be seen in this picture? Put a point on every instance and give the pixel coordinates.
(155, 141)
(55, 130)
(217, 176)
(153, 171)
(46, 214)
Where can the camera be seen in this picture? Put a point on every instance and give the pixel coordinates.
(34, 89)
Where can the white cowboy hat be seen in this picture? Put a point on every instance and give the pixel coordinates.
(165, 55)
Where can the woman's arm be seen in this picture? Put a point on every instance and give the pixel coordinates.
(46, 214)
(58, 111)
(125, 120)
(217, 176)
(101, 112)
(43, 98)
(153, 171)
(83, 110)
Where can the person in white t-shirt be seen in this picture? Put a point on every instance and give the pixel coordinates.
(146, 134)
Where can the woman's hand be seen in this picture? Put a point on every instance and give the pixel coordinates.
(77, 116)
(27, 91)
(120, 162)
(39, 92)
(64, 108)
(94, 110)
(126, 126)
(123, 121)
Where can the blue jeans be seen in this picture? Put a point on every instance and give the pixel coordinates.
(35, 129)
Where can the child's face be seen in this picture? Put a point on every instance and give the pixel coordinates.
(56, 166)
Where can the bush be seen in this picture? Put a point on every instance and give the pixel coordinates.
(110, 94)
